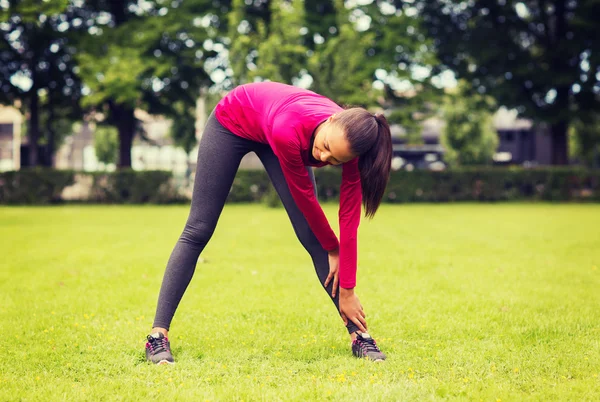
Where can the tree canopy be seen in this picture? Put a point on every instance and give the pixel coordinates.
(540, 57)
(61, 58)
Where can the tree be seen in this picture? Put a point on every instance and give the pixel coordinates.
(37, 67)
(242, 42)
(320, 21)
(585, 139)
(281, 55)
(469, 135)
(377, 52)
(410, 71)
(57, 121)
(183, 130)
(340, 67)
(143, 55)
(106, 144)
(540, 57)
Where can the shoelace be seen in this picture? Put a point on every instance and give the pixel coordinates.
(368, 345)
(157, 345)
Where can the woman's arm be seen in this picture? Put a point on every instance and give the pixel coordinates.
(287, 148)
(349, 217)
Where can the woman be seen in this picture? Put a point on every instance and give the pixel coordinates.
(291, 130)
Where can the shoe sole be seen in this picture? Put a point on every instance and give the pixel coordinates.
(161, 363)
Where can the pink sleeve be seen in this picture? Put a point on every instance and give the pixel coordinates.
(287, 148)
(349, 215)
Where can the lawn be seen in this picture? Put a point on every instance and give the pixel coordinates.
(470, 302)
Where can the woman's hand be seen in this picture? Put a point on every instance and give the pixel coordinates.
(334, 267)
(351, 309)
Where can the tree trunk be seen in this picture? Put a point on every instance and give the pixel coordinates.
(50, 140)
(560, 155)
(125, 143)
(125, 118)
(34, 127)
(559, 127)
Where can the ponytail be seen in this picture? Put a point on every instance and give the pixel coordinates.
(375, 166)
(370, 138)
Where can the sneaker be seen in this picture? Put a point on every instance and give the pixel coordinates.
(365, 347)
(158, 349)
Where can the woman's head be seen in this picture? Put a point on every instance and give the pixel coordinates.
(357, 132)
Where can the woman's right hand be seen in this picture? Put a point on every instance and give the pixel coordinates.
(334, 271)
(351, 309)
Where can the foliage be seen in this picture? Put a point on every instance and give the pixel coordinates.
(338, 67)
(469, 136)
(403, 62)
(33, 185)
(106, 144)
(281, 55)
(37, 68)
(45, 186)
(143, 56)
(585, 139)
(183, 126)
(250, 186)
(271, 198)
(319, 21)
(127, 186)
(488, 184)
(539, 57)
(159, 56)
(460, 184)
(495, 184)
(241, 43)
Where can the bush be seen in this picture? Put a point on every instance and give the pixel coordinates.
(128, 186)
(43, 186)
(34, 186)
(479, 184)
(271, 198)
(249, 186)
(495, 184)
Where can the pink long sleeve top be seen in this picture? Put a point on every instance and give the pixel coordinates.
(286, 117)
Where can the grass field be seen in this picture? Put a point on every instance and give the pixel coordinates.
(470, 302)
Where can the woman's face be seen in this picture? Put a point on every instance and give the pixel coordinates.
(330, 144)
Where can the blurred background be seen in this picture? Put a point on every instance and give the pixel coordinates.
(485, 98)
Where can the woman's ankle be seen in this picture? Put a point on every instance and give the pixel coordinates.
(161, 330)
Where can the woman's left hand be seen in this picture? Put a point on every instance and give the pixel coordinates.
(352, 310)
(334, 267)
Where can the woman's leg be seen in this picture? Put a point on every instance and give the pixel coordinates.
(219, 156)
(303, 231)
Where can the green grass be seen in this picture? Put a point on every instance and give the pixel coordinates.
(470, 302)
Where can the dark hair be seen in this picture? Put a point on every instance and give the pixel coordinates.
(370, 138)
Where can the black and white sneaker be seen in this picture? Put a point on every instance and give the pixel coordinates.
(158, 349)
(365, 347)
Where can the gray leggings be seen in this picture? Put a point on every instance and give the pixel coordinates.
(219, 157)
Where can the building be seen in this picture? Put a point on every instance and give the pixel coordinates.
(520, 143)
(10, 138)
(155, 152)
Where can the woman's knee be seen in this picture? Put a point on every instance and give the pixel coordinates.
(198, 232)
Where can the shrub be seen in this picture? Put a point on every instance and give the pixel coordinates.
(488, 184)
(34, 185)
(128, 186)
